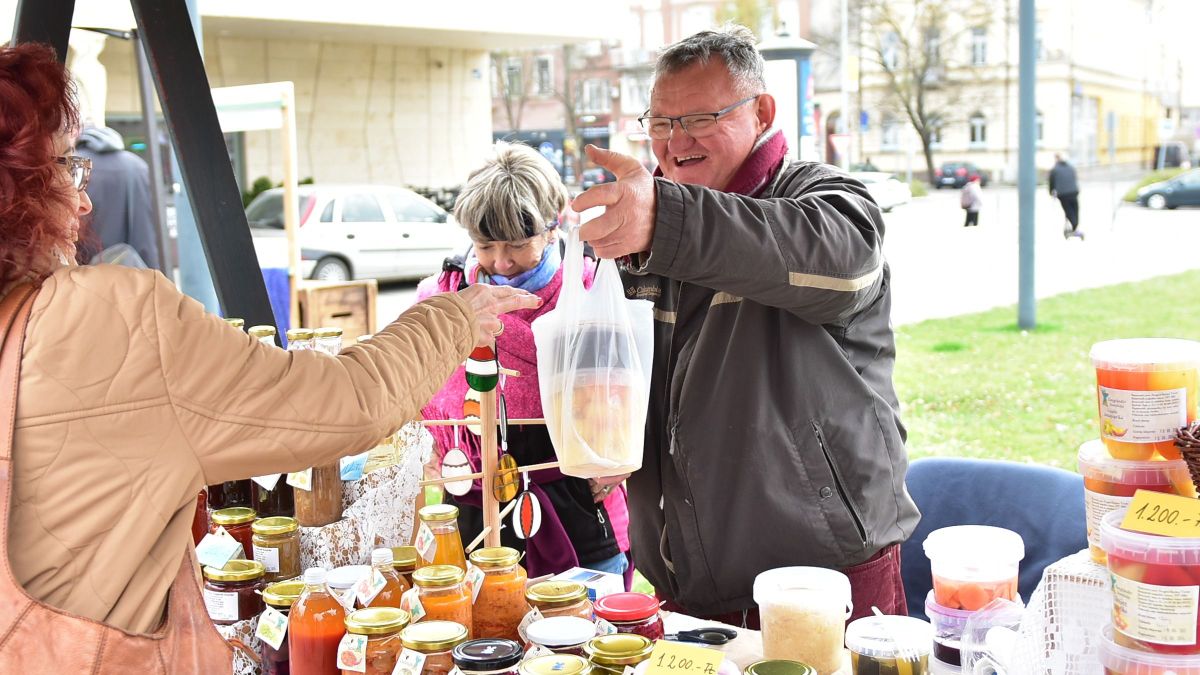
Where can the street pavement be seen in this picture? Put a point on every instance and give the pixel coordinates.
(940, 269)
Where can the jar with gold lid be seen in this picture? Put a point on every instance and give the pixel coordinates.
(556, 664)
(612, 654)
(301, 339)
(277, 546)
(435, 640)
(279, 596)
(264, 334)
(442, 520)
(404, 561)
(329, 340)
(231, 593)
(382, 627)
(235, 322)
(560, 598)
(237, 521)
(501, 603)
(444, 594)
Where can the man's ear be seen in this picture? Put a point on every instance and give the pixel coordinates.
(765, 111)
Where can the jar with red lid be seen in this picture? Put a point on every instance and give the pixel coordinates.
(634, 613)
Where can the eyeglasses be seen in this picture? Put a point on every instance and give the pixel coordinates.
(696, 125)
(80, 168)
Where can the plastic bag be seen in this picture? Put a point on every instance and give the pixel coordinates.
(594, 352)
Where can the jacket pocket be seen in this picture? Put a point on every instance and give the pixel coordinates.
(840, 484)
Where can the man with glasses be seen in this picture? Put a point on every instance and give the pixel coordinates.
(773, 437)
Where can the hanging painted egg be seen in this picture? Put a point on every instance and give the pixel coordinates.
(483, 371)
(472, 409)
(455, 464)
(507, 481)
(527, 515)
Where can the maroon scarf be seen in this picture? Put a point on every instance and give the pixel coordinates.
(764, 161)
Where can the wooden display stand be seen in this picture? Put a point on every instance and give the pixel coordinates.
(349, 305)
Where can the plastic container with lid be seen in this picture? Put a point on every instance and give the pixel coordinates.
(612, 654)
(779, 667)
(560, 598)
(404, 561)
(973, 564)
(264, 334)
(488, 656)
(444, 593)
(635, 613)
(1109, 485)
(948, 625)
(279, 596)
(301, 339)
(231, 593)
(276, 543)
(561, 634)
(442, 520)
(803, 613)
(886, 644)
(315, 627)
(501, 604)
(1118, 660)
(382, 626)
(1155, 377)
(436, 640)
(237, 522)
(556, 664)
(1155, 588)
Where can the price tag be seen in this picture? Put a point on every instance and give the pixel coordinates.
(268, 482)
(475, 577)
(426, 543)
(272, 628)
(411, 603)
(629, 670)
(352, 653)
(673, 658)
(1163, 514)
(369, 586)
(534, 614)
(536, 651)
(301, 480)
(409, 663)
(218, 548)
(346, 598)
(603, 627)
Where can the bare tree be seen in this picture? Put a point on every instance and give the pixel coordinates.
(514, 87)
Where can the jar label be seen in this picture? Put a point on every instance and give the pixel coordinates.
(369, 586)
(411, 603)
(268, 482)
(534, 614)
(475, 578)
(603, 627)
(1099, 505)
(1164, 615)
(218, 548)
(346, 598)
(409, 663)
(301, 480)
(1142, 416)
(537, 650)
(426, 543)
(272, 628)
(221, 605)
(269, 557)
(352, 653)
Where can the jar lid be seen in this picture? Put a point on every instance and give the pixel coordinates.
(283, 593)
(377, 621)
(561, 631)
(236, 570)
(1096, 462)
(261, 331)
(946, 618)
(488, 654)
(433, 636)
(556, 593)
(236, 323)
(779, 667)
(328, 332)
(344, 577)
(556, 664)
(994, 545)
(1146, 354)
(497, 556)
(275, 525)
(234, 516)
(1146, 548)
(887, 636)
(404, 558)
(438, 576)
(1118, 659)
(299, 334)
(618, 649)
(626, 606)
(438, 513)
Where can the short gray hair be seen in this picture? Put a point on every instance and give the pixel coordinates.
(732, 43)
(515, 195)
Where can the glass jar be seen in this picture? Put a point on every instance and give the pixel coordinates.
(394, 586)
(277, 546)
(556, 664)
(279, 596)
(315, 627)
(779, 667)
(442, 519)
(612, 654)
(322, 504)
(404, 561)
(444, 593)
(436, 640)
(230, 494)
(342, 579)
(382, 626)
(231, 592)
(236, 323)
(200, 518)
(635, 613)
(489, 656)
(264, 334)
(237, 522)
(560, 598)
(278, 501)
(329, 340)
(301, 339)
(501, 604)
(561, 634)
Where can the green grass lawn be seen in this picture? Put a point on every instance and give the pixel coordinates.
(976, 386)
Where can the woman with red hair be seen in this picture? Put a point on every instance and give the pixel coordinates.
(123, 398)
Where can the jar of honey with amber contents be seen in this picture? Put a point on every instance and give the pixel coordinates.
(501, 603)
(442, 520)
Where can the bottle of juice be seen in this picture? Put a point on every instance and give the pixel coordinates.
(381, 559)
(442, 519)
(315, 627)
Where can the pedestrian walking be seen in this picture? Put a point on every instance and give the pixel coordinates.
(1064, 185)
(972, 200)
(120, 195)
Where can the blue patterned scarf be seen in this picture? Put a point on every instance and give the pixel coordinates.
(536, 278)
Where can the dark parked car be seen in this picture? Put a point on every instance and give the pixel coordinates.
(1182, 190)
(956, 175)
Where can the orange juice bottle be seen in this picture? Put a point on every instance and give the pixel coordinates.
(442, 519)
(316, 625)
(444, 594)
(381, 559)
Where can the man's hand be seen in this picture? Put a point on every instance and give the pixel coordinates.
(602, 487)
(627, 226)
(489, 302)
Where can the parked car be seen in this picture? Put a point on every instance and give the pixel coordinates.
(1182, 190)
(357, 232)
(595, 176)
(885, 189)
(956, 175)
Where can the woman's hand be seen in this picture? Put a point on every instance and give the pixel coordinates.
(489, 302)
(602, 487)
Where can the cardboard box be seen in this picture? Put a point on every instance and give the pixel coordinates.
(599, 584)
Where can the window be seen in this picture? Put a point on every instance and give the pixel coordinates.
(635, 94)
(512, 77)
(891, 133)
(978, 130)
(978, 46)
(327, 214)
(891, 51)
(935, 132)
(545, 75)
(594, 97)
(933, 46)
(361, 209)
(1041, 128)
(409, 209)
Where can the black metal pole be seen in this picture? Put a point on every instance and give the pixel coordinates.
(46, 21)
(166, 254)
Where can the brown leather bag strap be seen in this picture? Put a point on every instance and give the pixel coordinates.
(14, 314)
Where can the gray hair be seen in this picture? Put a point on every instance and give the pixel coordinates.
(732, 43)
(515, 195)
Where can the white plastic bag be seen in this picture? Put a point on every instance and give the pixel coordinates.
(594, 352)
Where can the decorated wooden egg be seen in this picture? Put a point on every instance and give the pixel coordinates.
(455, 464)
(507, 481)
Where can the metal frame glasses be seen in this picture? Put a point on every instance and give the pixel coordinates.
(80, 168)
(696, 125)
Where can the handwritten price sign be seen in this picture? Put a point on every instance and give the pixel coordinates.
(1163, 514)
(673, 658)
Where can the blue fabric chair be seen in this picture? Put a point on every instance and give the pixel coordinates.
(1042, 504)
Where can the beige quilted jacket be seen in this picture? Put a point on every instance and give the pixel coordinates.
(132, 398)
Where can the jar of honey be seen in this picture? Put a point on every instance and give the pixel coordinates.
(279, 596)
(381, 626)
(404, 561)
(316, 625)
(444, 593)
(322, 504)
(277, 546)
(442, 519)
(436, 640)
(560, 598)
(612, 654)
(237, 522)
(231, 592)
(381, 559)
(635, 613)
(488, 656)
(501, 604)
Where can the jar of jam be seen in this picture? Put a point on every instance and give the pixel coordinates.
(278, 501)
(277, 546)
(329, 340)
(556, 664)
(279, 596)
(560, 598)
(436, 640)
(229, 494)
(404, 561)
(444, 593)
(322, 504)
(489, 656)
(316, 625)
(635, 613)
(237, 522)
(612, 654)
(561, 634)
(395, 585)
(442, 519)
(231, 592)
(501, 604)
(382, 626)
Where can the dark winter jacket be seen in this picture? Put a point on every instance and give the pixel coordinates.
(120, 192)
(1063, 180)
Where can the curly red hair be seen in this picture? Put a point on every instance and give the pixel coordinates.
(37, 103)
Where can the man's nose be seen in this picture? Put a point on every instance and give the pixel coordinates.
(679, 138)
